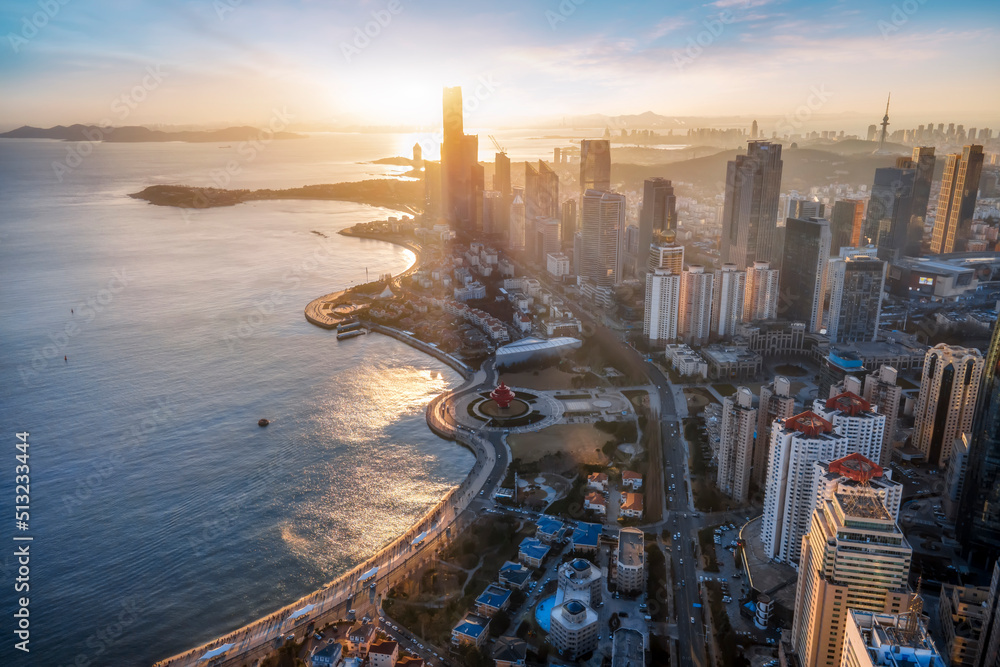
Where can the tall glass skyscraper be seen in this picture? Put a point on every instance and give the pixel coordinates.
(979, 516)
(750, 215)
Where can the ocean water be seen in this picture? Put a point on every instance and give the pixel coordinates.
(162, 515)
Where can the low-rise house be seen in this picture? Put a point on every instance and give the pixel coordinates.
(632, 479)
(597, 481)
(595, 502)
(631, 505)
(549, 529)
(383, 654)
(410, 661)
(532, 552)
(470, 630)
(328, 656)
(510, 652)
(360, 638)
(514, 575)
(586, 537)
(492, 600)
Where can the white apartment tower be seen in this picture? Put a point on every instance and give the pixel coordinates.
(739, 420)
(776, 402)
(857, 419)
(881, 390)
(696, 305)
(761, 301)
(663, 297)
(948, 391)
(796, 445)
(728, 303)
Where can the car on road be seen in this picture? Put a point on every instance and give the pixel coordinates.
(682, 561)
(692, 619)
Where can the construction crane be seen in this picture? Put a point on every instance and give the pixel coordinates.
(496, 144)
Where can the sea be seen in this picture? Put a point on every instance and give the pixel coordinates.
(141, 345)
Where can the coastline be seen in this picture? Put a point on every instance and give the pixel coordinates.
(332, 600)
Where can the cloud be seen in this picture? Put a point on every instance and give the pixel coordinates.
(667, 25)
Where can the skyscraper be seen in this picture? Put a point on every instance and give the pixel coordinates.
(803, 271)
(957, 200)
(663, 301)
(805, 208)
(846, 224)
(516, 235)
(541, 191)
(461, 174)
(923, 161)
(696, 305)
(750, 214)
(776, 403)
(854, 417)
(602, 223)
(739, 419)
(796, 444)
(761, 302)
(854, 557)
(501, 174)
(595, 165)
(979, 518)
(949, 388)
(856, 285)
(856, 474)
(728, 302)
(658, 212)
(666, 253)
(568, 220)
(882, 391)
(888, 221)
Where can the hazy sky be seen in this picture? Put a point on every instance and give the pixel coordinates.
(235, 61)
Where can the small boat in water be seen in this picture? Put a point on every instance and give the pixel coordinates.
(263, 422)
(351, 334)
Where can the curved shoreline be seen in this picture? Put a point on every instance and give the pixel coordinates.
(333, 599)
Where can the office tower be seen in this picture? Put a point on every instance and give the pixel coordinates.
(666, 253)
(761, 302)
(516, 237)
(739, 420)
(884, 134)
(663, 301)
(889, 640)
(796, 444)
(753, 130)
(855, 418)
(856, 285)
(803, 271)
(889, 209)
(568, 220)
(658, 212)
(602, 222)
(432, 190)
(541, 191)
(501, 174)
(750, 214)
(956, 204)
(461, 173)
(856, 475)
(805, 208)
(595, 165)
(492, 216)
(728, 302)
(923, 161)
(962, 618)
(846, 224)
(546, 238)
(853, 558)
(776, 403)
(882, 391)
(696, 305)
(979, 518)
(949, 387)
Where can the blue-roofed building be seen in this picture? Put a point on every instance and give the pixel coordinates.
(514, 575)
(549, 529)
(328, 656)
(586, 537)
(532, 552)
(470, 630)
(492, 600)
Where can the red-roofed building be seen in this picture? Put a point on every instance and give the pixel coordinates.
(631, 479)
(631, 505)
(598, 481)
(383, 654)
(595, 502)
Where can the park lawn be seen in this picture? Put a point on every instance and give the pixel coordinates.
(581, 442)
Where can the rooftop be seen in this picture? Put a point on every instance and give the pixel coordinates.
(472, 625)
(587, 534)
(384, 648)
(630, 547)
(862, 506)
(493, 596)
(809, 423)
(629, 647)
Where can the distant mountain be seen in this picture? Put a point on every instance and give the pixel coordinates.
(135, 134)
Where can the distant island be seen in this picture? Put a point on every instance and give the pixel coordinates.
(139, 134)
(405, 196)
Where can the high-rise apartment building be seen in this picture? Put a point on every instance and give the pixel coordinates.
(856, 285)
(853, 558)
(658, 212)
(696, 305)
(979, 518)
(761, 302)
(803, 271)
(888, 640)
(602, 223)
(889, 209)
(595, 165)
(882, 391)
(728, 301)
(796, 444)
(846, 224)
(856, 475)
(461, 174)
(956, 204)
(666, 253)
(949, 388)
(856, 418)
(739, 420)
(776, 403)
(750, 214)
(662, 310)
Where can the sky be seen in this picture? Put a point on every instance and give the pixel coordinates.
(384, 62)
